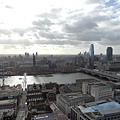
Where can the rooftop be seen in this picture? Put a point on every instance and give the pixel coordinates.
(50, 116)
(100, 108)
(7, 112)
(11, 88)
(56, 114)
(2, 102)
(69, 97)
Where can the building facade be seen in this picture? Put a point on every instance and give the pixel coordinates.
(109, 55)
(100, 110)
(98, 90)
(91, 56)
(66, 101)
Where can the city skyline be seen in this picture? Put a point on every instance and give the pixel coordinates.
(59, 26)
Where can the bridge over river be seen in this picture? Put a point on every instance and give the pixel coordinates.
(103, 74)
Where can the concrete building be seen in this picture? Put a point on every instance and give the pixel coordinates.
(109, 54)
(7, 114)
(98, 90)
(70, 88)
(99, 110)
(112, 66)
(37, 93)
(10, 92)
(101, 91)
(66, 101)
(81, 81)
(55, 114)
(34, 94)
(9, 104)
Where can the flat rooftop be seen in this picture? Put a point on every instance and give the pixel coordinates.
(11, 101)
(50, 116)
(101, 107)
(69, 97)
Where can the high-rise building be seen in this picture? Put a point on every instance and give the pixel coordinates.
(91, 56)
(109, 54)
(26, 55)
(33, 59)
(36, 54)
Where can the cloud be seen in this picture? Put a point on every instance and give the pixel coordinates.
(57, 42)
(93, 1)
(85, 23)
(9, 7)
(5, 31)
(69, 24)
(16, 42)
(53, 14)
(44, 22)
(20, 31)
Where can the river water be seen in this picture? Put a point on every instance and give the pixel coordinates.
(58, 78)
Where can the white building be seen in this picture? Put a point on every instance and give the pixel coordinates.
(99, 110)
(66, 101)
(98, 90)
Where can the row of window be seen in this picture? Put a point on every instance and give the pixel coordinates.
(113, 118)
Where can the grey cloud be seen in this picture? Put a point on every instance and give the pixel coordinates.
(109, 42)
(44, 22)
(13, 46)
(94, 16)
(51, 35)
(40, 28)
(53, 14)
(77, 29)
(47, 35)
(58, 42)
(36, 36)
(9, 46)
(5, 31)
(89, 36)
(57, 11)
(113, 36)
(20, 31)
(9, 7)
(42, 25)
(49, 15)
(81, 25)
(16, 42)
(93, 1)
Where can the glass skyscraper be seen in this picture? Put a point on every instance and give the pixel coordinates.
(109, 55)
(91, 56)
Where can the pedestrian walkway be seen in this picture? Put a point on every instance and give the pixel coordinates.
(23, 110)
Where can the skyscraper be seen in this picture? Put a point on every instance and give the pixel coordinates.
(109, 54)
(33, 59)
(91, 56)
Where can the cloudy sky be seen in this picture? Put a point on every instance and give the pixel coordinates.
(59, 26)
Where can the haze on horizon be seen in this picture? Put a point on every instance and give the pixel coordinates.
(59, 26)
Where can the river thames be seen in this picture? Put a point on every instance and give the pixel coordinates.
(40, 79)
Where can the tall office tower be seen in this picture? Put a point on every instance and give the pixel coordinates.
(109, 54)
(36, 54)
(91, 56)
(26, 55)
(33, 59)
